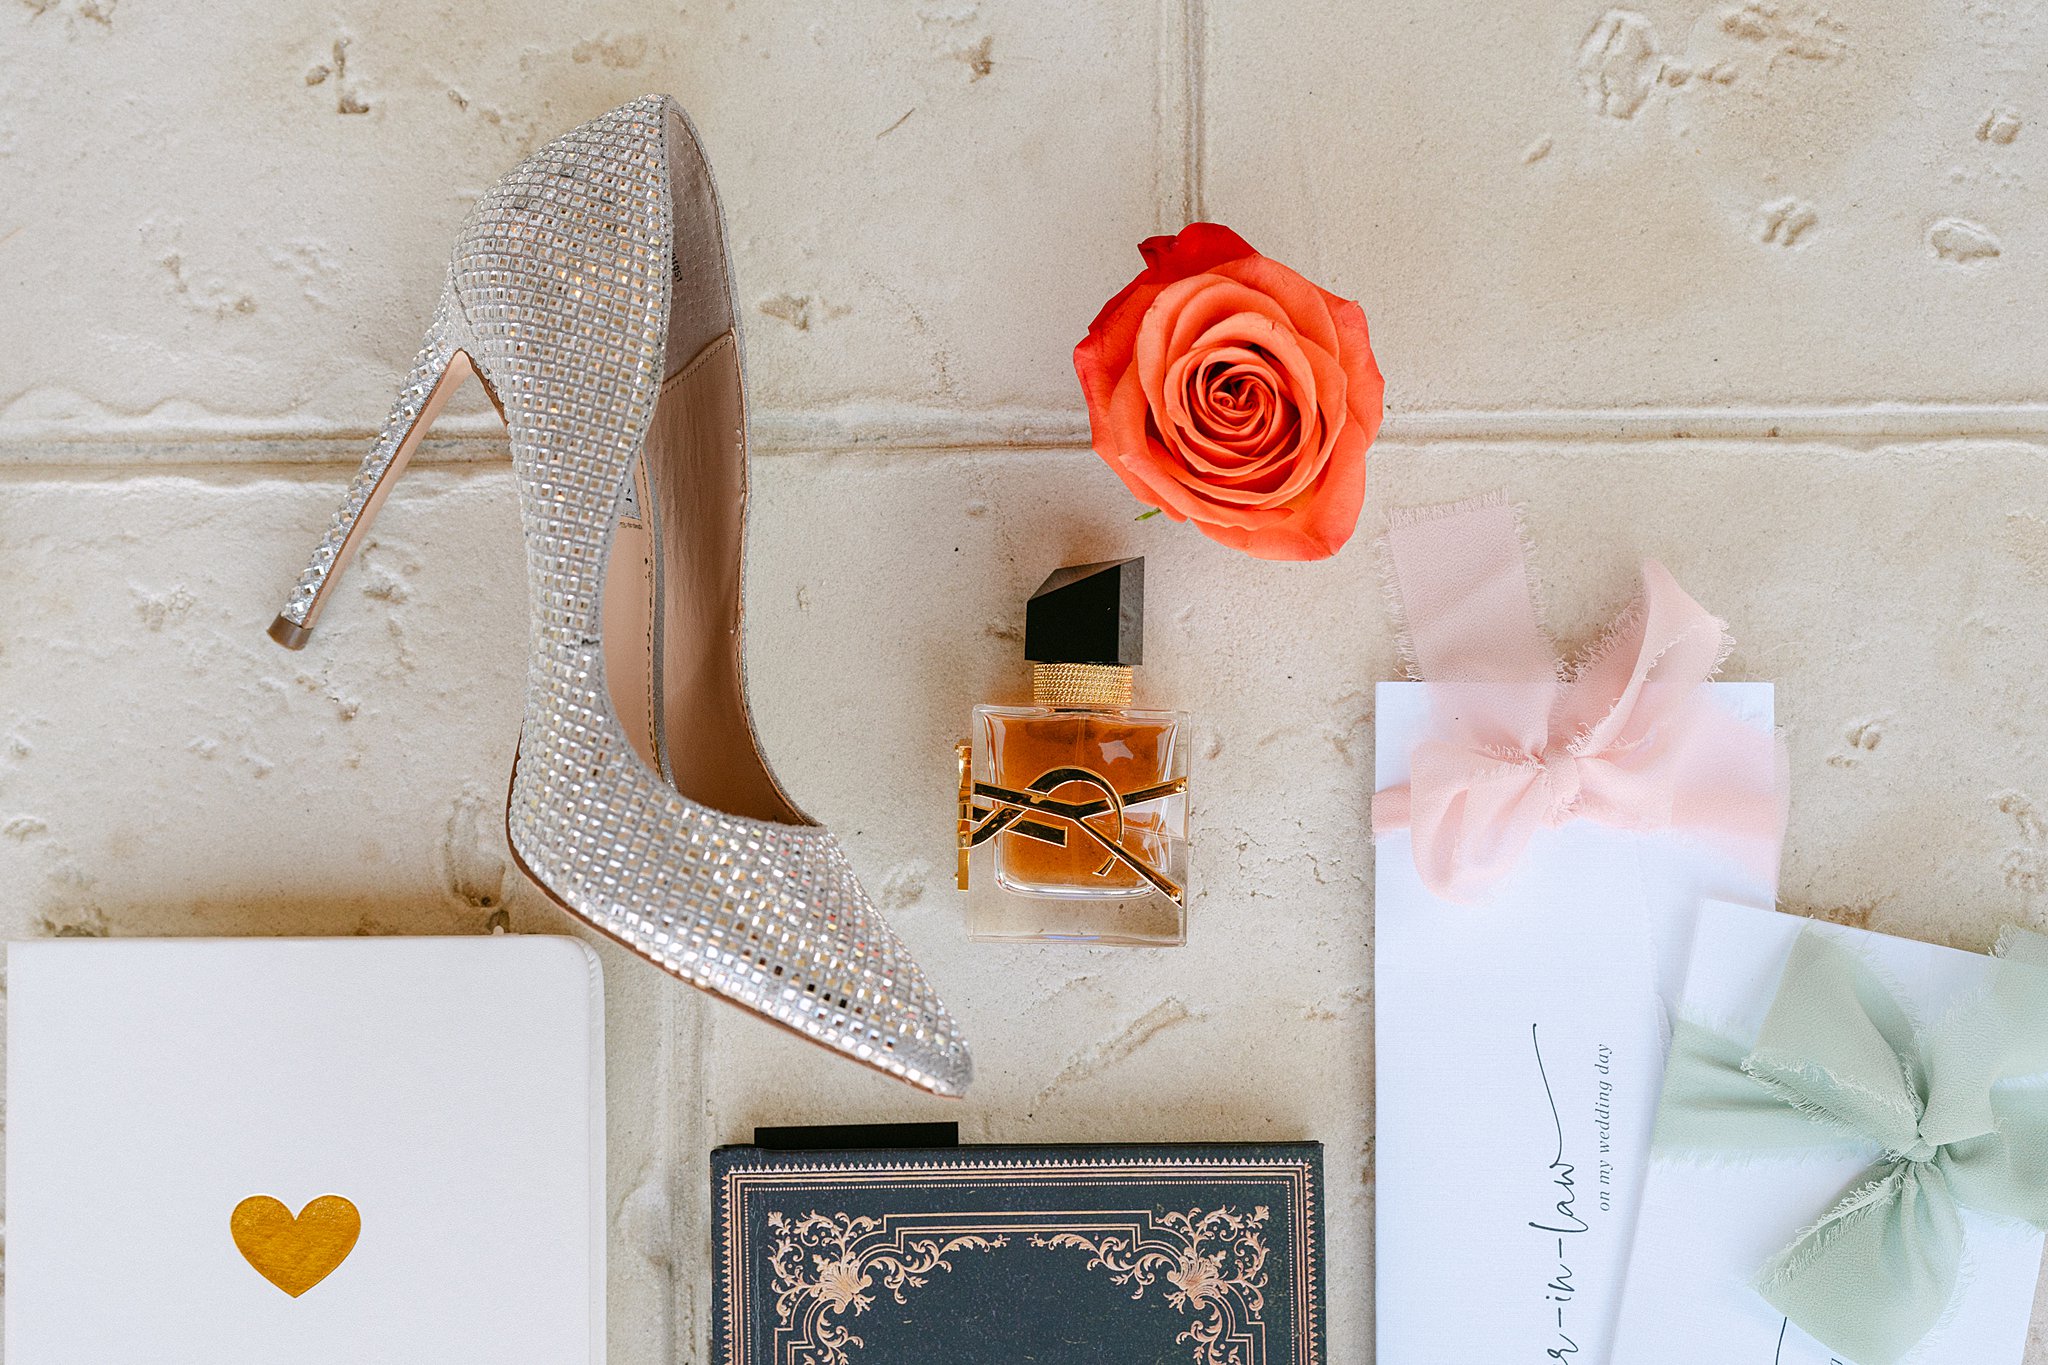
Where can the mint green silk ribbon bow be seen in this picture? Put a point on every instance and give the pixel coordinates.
(1839, 1065)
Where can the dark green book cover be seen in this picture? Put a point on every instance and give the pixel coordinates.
(1120, 1255)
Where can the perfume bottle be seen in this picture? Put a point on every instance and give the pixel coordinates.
(1073, 810)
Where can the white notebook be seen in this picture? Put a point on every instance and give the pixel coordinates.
(314, 1151)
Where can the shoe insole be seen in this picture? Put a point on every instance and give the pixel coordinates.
(672, 591)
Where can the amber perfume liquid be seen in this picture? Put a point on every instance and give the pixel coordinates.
(1082, 814)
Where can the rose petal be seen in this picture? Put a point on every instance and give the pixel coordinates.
(1326, 517)
(1249, 331)
(1182, 428)
(1133, 461)
(1367, 391)
(1331, 385)
(1329, 415)
(1196, 248)
(1237, 405)
(1150, 350)
(1307, 305)
(1316, 385)
(1270, 424)
(1155, 474)
(1198, 308)
(1105, 353)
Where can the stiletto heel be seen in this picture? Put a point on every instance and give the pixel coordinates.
(591, 292)
(437, 372)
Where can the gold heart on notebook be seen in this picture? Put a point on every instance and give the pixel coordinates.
(295, 1253)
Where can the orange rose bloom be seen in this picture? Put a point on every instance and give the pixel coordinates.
(1228, 391)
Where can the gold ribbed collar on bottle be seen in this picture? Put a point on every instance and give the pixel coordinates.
(1094, 686)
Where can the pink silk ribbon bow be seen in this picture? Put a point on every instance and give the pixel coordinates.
(1517, 743)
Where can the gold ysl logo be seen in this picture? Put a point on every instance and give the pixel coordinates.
(1034, 814)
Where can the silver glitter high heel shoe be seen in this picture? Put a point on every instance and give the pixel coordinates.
(591, 293)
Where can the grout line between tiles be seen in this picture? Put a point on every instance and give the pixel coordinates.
(1194, 133)
(909, 432)
(694, 1140)
(1174, 154)
(676, 1312)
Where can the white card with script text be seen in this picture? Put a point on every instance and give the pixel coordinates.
(1519, 1051)
(305, 1151)
(1706, 1227)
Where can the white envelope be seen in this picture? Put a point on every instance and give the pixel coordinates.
(1707, 1227)
(1519, 1051)
(451, 1090)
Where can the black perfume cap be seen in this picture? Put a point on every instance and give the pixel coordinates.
(1088, 614)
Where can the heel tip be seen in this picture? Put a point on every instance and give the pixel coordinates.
(290, 634)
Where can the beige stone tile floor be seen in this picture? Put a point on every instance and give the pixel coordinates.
(1709, 281)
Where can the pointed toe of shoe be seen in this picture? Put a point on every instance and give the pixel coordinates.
(948, 1072)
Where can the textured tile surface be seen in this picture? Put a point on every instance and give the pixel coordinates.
(168, 454)
(178, 232)
(1689, 203)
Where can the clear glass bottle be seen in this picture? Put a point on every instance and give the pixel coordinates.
(1073, 810)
